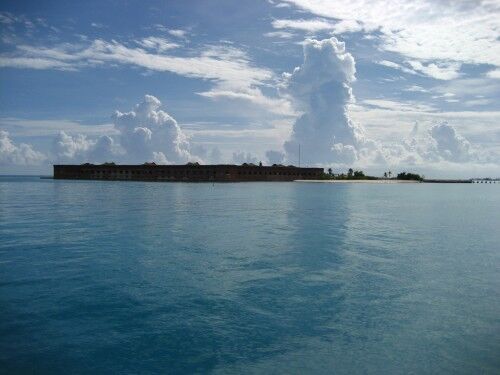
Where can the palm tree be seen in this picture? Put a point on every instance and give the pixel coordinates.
(330, 172)
(389, 173)
(385, 174)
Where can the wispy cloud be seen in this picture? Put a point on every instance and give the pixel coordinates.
(10, 20)
(20, 127)
(178, 33)
(310, 25)
(157, 44)
(97, 25)
(442, 71)
(425, 30)
(415, 88)
(399, 106)
(318, 24)
(279, 34)
(446, 95)
(229, 68)
(476, 102)
(393, 65)
(34, 63)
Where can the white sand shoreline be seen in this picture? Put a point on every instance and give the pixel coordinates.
(361, 181)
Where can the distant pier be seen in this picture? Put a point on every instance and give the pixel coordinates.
(470, 181)
(485, 180)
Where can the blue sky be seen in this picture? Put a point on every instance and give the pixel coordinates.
(378, 85)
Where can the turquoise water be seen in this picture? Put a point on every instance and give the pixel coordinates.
(135, 277)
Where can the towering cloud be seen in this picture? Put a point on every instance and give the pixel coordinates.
(321, 89)
(22, 154)
(149, 133)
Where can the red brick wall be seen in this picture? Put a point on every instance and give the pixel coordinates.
(190, 173)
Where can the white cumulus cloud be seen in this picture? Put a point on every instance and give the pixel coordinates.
(81, 149)
(240, 157)
(440, 143)
(22, 154)
(147, 131)
(145, 134)
(450, 145)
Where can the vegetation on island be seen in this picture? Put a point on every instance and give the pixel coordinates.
(360, 175)
(350, 175)
(409, 176)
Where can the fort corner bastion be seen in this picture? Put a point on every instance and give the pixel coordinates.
(191, 172)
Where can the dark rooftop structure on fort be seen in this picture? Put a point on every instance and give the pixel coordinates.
(191, 172)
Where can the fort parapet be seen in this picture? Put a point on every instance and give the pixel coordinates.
(185, 173)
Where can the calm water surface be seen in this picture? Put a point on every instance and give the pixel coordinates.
(134, 277)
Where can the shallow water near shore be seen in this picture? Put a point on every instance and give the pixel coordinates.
(138, 277)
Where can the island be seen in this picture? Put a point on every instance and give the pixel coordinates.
(247, 172)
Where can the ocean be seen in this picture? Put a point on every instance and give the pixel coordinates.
(104, 277)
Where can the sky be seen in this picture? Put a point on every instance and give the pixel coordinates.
(374, 85)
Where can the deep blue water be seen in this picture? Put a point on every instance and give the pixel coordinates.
(134, 277)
